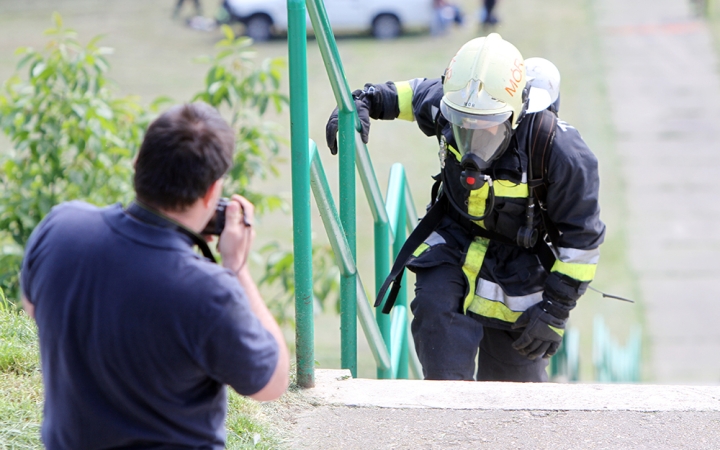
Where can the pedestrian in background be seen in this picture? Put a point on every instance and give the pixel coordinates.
(444, 15)
(179, 5)
(487, 16)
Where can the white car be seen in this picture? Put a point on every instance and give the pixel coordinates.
(385, 19)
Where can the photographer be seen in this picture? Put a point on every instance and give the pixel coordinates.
(139, 335)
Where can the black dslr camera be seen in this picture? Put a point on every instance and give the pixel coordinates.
(217, 222)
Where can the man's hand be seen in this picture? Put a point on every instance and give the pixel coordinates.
(238, 235)
(542, 334)
(234, 246)
(331, 128)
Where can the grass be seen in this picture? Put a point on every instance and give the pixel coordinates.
(21, 393)
(20, 410)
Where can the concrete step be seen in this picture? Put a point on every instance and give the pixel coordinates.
(352, 413)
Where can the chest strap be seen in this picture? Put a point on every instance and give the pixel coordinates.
(425, 227)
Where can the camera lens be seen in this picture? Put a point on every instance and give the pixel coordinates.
(216, 225)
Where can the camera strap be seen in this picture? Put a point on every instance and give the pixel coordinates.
(150, 216)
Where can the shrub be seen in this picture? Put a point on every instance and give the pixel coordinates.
(72, 137)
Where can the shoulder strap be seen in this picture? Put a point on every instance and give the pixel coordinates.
(542, 131)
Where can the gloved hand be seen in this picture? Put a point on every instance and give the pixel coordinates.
(542, 332)
(331, 128)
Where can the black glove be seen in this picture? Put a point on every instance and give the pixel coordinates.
(331, 128)
(543, 330)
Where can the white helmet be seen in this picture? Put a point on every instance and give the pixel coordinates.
(485, 95)
(544, 81)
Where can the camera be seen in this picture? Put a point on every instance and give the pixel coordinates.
(217, 222)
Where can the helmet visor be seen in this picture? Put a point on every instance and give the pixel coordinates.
(487, 136)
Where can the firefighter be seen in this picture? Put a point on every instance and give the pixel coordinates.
(510, 240)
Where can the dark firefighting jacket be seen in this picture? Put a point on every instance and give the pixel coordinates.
(505, 279)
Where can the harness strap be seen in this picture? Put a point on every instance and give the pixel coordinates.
(543, 133)
(424, 228)
(541, 248)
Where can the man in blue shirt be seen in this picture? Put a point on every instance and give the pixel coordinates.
(139, 335)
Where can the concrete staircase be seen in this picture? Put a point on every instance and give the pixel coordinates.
(347, 413)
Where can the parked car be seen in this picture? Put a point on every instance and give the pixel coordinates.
(385, 19)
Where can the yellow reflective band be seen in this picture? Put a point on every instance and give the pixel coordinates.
(454, 152)
(580, 272)
(421, 249)
(559, 331)
(495, 310)
(405, 96)
(476, 203)
(505, 188)
(471, 266)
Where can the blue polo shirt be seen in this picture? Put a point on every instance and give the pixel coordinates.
(138, 334)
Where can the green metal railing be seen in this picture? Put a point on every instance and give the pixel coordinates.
(387, 336)
(302, 227)
(565, 365)
(614, 362)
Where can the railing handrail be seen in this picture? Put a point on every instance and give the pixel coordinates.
(390, 219)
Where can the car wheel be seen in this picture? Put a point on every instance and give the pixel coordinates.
(258, 28)
(386, 26)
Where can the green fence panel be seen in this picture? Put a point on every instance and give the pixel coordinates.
(614, 362)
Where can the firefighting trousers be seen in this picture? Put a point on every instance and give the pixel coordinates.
(448, 341)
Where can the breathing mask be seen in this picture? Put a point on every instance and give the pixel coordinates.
(481, 139)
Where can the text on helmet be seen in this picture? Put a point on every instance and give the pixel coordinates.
(516, 75)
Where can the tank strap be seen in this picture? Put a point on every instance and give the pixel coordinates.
(542, 135)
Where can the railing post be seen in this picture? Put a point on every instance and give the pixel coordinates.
(348, 284)
(302, 228)
(400, 235)
(382, 268)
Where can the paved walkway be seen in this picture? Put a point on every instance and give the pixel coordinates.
(400, 414)
(665, 92)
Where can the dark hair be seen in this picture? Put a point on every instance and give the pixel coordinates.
(184, 152)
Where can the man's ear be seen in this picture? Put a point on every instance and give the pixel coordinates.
(213, 191)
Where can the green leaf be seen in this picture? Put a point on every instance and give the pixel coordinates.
(228, 32)
(37, 69)
(24, 60)
(93, 42)
(57, 19)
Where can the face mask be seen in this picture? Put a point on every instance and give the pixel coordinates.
(481, 139)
